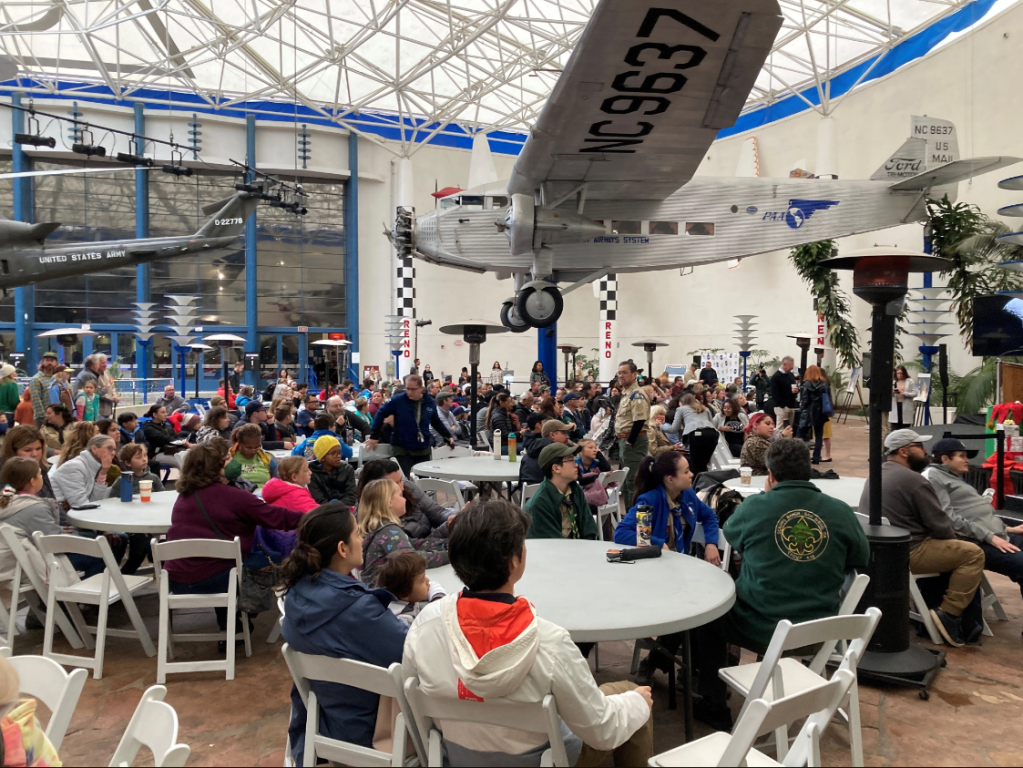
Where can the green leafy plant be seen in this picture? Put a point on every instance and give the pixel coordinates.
(762, 358)
(713, 351)
(587, 366)
(832, 302)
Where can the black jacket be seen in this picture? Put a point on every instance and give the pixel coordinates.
(338, 484)
(502, 420)
(529, 469)
(781, 389)
(811, 404)
(709, 376)
(158, 436)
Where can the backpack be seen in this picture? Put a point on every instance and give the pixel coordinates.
(723, 500)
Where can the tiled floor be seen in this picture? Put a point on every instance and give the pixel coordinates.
(974, 717)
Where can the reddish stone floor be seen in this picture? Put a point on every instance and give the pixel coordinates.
(974, 716)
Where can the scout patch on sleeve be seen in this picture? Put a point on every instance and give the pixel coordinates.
(801, 535)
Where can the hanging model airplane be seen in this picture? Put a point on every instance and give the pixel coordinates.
(26, 259)
(605, 180)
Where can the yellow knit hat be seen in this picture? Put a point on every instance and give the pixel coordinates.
(323, 445)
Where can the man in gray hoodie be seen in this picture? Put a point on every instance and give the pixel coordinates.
(971, 514)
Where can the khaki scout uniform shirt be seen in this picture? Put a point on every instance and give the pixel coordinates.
(633, 407)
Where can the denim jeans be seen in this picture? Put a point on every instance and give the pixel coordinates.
(1007, 564)
(216, 583)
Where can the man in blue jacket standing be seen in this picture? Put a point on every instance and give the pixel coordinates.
(414, 413)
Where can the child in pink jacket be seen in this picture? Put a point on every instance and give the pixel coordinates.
(290, 489)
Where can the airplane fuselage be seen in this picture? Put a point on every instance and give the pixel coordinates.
(707, 220)
(21, 265)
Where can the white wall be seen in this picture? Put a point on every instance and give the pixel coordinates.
(965, 82)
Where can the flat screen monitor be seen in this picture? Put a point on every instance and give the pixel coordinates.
(997, 325)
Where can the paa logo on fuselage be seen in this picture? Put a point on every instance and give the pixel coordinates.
(799, 211)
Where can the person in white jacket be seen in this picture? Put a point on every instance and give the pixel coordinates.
(485, 644)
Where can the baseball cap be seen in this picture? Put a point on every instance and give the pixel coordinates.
(458, 410)
(254, 405)
(556, 452)
(50, 354)
(571, 396)
(900, 438)
(553, 425)
(944, 446)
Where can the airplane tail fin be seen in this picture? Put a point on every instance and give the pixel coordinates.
(933, 142)
(228, 216)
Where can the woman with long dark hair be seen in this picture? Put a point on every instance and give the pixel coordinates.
(55, 423)
(501, 415)
(26, 441)
(811, 409)
(538, 374)
(903, 392)
(328, 612)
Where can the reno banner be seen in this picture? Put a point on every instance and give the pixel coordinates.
(607, 338)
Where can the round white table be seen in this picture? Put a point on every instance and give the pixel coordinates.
(477, 469)
(568, 580)
(127, 517)
(847, 489)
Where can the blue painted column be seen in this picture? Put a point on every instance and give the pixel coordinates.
(142, 271)
(352, 252)
(547, 353)
(24, 298)
(251, 303)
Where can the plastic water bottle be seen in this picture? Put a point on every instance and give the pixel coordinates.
(497, 444)
(644, 516)
(512, 447)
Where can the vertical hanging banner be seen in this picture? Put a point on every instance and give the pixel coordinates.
(608, 336)
(405, 305)
(822, 333)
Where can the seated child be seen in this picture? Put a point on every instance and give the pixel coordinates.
(248, 459)
(134, 461)
(403, 574)
(290, 489)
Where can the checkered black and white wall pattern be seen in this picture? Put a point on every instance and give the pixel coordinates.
(608, 335)
(609, 297)
(405, 301)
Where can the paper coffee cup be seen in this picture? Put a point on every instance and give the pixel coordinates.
(145, 489)
(745, 475)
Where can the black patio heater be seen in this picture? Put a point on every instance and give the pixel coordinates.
(473, 333)
(650, 346)
(569, 352)
(881, 278)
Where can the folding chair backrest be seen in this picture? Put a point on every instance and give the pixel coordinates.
(45, 680)
(856, 630)
(817, 705)
(210, 548)
(155, 726)
(306, 667)
(35, 577)
(528, 491)
(447, 487)
(617, 477)
(541, 717)
(64, 544)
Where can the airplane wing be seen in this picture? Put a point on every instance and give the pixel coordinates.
(953, 173)
(645, 92)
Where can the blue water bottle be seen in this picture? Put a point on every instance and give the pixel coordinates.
(126, 488)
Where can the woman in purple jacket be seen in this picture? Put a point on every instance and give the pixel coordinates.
(209, 508)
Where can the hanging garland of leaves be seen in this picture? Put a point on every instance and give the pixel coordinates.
(832, 302)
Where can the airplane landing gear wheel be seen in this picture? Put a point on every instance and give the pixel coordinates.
(510, 318)
(540, 308)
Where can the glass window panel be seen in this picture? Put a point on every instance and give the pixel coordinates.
(704, 228)
(663, 227)
(626, 227)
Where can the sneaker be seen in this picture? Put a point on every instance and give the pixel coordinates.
(950, 627)
(717, 716)
(973, 636)
(645, 673)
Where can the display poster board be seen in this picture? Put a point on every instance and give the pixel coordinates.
(854, 379)
(923, 388)
(727, 364)
(371, 372)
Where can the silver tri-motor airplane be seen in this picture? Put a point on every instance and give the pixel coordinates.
(605, 181)
(26, 259)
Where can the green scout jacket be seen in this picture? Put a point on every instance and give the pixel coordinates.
(797, 545)
(545, 509)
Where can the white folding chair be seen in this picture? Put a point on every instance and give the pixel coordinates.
(723, 546)
(613, 483)
(45, 680)
(918, 610)
(817, 704)
(96, 590)
(275, 633)
(541, 717)
(528, 491)
(201, 410)
(306, 668)
(776, 677)
(990, 600)
(34, 593)
(207, 548)
(449, 488)
(154, 726)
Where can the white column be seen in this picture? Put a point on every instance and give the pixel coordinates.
(608, 336)
(405, 284)
(826, 161)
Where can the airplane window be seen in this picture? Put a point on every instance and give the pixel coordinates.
(663, 227)
(499, 201)
(448, 203)
(472, 202)
(699, 228)
(626, 227)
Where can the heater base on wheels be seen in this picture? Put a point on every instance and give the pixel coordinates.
(916, 666)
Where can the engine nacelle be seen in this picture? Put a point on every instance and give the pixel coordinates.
(529, 228)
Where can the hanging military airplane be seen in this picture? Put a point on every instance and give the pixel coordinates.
(605, 181)
(25, 258)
